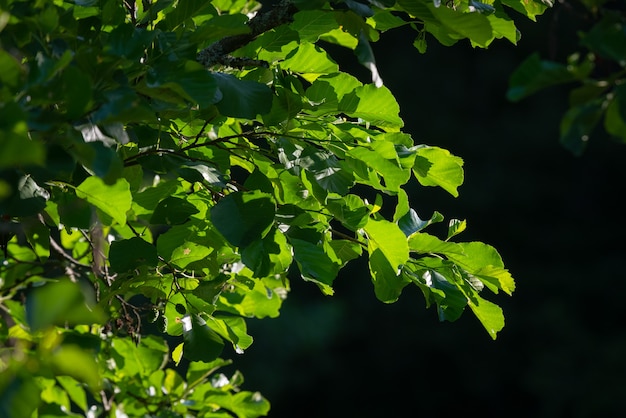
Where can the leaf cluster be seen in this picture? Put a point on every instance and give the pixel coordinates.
(595, 73)
(168, 167)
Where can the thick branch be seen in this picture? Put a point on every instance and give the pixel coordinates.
(218, 52)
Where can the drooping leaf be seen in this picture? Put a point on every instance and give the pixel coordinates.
(489, 314)
(365, 55)
(437, 167)
(484, 261)
(201, 342)
(388, 283)
(389, 239)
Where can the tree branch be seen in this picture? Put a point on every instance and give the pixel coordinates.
(218, 52)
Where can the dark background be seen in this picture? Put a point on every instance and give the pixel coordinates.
(555, 218)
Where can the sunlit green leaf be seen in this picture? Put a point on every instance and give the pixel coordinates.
(489, 314)
(74, 390)
(310, 61)
(388, 283)
(114, 200)
(437, 167)
(374, 105)
(389, 239)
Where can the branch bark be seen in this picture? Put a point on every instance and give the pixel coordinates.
(218, 52)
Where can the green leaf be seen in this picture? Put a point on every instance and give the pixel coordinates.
(411, 223)
(483, 261)
(257, 298)
(381, 156)
(187, 10)
(374, 105)
(98, 159)
(311, 24)
(451, 300)
(310, 61)
(578, 123)
(27, 199)
(10, 69)
(186, 81)
(535, 74)
(19, 395)
(201, 342)
(53, 394)
(128, 254)
(128, 41)
(346, 250)
(437, 167)
(350, 210)
(71, 360)
(424, 243)
(389, 239)
(614, 121)
(188, 253)
(365, 55)
(489, 314)
(60, 303)
(234, 330)
(172, 211)
(529, 8)
(75, 391)
(326, 92)
(114, 200)
(316, 260)
(243, 217)
(388, 283)
(242, 98)
(608, 38)
(137, 360)
(474, 26)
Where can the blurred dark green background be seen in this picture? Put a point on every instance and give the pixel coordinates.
(556, 219)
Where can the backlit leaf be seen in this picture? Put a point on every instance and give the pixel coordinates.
(114, 200)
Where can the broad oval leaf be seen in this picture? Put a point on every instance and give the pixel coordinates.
(114, 200)
(243, 217)
(242, 98)
(389, 239)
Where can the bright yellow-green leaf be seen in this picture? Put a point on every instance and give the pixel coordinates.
(310, 61)
(389, 239)
(438, 167)
(114, 200)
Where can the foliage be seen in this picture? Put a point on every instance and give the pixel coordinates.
(597, 70)
(168, 167)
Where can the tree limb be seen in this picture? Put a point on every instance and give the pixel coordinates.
(218, 52)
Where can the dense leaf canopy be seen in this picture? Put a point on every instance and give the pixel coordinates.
(166, 169)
